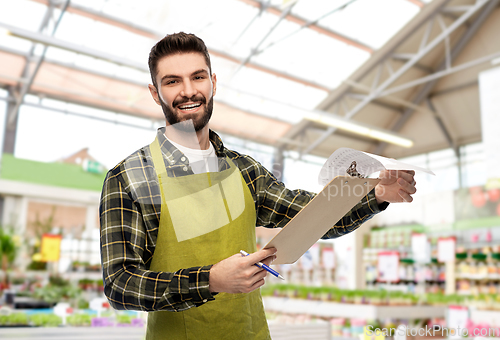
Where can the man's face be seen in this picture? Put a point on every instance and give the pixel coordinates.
(185, 89)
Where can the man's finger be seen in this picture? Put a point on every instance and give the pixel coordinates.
(405, 196)
(269, 260)
(408, 187)
(260, 255)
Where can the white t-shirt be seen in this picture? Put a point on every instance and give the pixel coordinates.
(200, 160)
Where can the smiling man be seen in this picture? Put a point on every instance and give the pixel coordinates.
(175, 214)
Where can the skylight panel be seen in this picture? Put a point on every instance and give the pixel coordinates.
(372, 22)
(15, 43)
(58, 54)
(314, 10)
(23, 13)
(274, 87)
(318, 58)
(104, 37)
(245, 38)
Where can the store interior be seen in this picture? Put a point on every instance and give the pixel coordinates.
(411, 80)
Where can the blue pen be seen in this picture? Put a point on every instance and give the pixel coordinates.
(263, 266)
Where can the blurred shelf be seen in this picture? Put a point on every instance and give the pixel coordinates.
(76, 333)
(332, 309)
(317, 330)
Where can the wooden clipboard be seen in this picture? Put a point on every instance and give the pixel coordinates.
(318, 216)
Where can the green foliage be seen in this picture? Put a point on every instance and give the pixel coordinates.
(59, 281)
(58, 289)
(45, 320)
(377, 297)
(37, 265)
(123, 319)
(82, 303)
(79, 320)
(14, 319)
(7, 245)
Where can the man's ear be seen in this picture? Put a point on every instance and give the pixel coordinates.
(154, 94)
(214, 83)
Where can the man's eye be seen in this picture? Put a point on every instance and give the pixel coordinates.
(170, 82)
(199, 77)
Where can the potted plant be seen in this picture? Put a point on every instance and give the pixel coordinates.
(7, 253)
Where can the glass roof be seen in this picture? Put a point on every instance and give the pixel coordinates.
(272, 36)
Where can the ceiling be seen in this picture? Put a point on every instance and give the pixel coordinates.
(405, 66)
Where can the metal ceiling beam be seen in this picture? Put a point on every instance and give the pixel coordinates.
(459, 46)
(12, 114)
(90, 13)
(423, 49)
(443, 127)
(79, 114)
(17, 92)
(72, 47)
(315, 27)
(421, 53)
(255, 49)
(386, 51)
(71, 66)
(359, 96)
(68, 46)
(270, 70)
(151, 34)
(406, 57)
(453, 89)
(440, 74)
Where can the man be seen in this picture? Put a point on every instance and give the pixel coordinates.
(175, 214)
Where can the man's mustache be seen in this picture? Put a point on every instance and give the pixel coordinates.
(200, 99)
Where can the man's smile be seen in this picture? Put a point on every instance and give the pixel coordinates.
(191, 107)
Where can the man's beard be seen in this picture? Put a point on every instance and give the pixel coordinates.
(198, 123)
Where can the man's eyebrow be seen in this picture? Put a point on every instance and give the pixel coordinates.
(199, 71)
(173, 76)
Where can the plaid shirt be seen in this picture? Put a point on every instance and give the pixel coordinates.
(130, 216)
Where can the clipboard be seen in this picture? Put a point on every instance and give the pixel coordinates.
(318, 216)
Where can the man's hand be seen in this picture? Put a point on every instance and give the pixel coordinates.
(238, 274)
(395, 186)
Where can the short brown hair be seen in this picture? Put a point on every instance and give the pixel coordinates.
(173, 44)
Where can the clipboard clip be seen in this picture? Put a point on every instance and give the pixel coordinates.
(351, 171)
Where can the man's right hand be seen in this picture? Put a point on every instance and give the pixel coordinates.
(238, 274)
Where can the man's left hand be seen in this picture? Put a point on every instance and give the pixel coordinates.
(395, 186)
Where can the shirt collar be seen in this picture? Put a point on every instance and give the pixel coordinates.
(174, 156)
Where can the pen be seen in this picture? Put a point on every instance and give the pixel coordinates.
(263, 266)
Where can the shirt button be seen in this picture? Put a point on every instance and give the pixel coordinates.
(183, 158)
(205, 300)
(185, 168)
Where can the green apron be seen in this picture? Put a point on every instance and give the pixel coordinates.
(205, 218)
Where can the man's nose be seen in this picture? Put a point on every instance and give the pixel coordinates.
(189, 90)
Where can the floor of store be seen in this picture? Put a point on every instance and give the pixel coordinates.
(73, 333)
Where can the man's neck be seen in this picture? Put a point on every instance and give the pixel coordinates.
(198, 140)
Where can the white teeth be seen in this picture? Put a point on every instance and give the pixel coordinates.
(188, 107)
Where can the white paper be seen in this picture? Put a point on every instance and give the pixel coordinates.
(388, 267)
(328, 258)
(446, 250)
(457, 318)
(366, 164)
(420, 248)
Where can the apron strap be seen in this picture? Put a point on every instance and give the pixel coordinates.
(158, 161)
